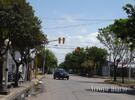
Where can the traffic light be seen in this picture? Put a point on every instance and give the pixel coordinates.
(63, 40)
(59, 39)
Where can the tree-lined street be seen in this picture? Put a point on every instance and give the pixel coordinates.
(55, 38)
(76, 89)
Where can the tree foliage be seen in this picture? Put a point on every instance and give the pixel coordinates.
(46, 60)
(115, 45)
(19, 24)
(125, 28)
(86, 60)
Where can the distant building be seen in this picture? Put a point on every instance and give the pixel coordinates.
(107, 69)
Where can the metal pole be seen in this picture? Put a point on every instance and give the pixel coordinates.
(6, 69)
(44, 61)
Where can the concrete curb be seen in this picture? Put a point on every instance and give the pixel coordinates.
(15, 92)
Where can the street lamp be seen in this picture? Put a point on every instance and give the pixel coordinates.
(7, 44)
(60, 40)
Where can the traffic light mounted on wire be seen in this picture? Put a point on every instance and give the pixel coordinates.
(61, 40)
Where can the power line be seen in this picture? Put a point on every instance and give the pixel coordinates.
(70, 26)
(79, 19)
(52, 45)
(61, 48)
(67, 26)
(98, 21)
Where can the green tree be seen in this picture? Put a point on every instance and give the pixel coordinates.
(3, 36)
(85, 60)
(47, 60)
(98, 57)
(115, 45)
(125, 28)
(73, 60)
(23, 29)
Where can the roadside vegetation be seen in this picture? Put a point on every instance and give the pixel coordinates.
(119, 41)
(22, 29)
(47, 60)
(87, 61)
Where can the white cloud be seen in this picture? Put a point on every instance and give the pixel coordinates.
(83, 30)
(69, 18)
(80, 36)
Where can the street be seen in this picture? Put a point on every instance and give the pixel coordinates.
(76, 88)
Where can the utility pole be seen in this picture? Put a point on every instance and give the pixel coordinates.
(6, 69)
(60, 40)
(44, 59)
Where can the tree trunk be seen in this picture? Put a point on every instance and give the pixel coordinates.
(27, 67)
(16, 75)
(1, 74)
(28, 72)
(115, 73)
(122, 74)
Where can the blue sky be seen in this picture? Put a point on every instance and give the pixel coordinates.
(76, 20)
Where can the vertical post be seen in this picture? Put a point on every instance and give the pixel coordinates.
(129, 73)
(35, 64)
(110, 64)
(44, 60)
(6, 69)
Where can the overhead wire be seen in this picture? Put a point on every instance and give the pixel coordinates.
(61, 48)
(71, 26)
(79, 19)
(75, 20)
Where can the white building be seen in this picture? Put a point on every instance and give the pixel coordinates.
(11, 66)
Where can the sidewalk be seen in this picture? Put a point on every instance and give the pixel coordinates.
(15, 92)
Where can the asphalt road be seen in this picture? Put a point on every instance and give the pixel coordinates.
(76, 88)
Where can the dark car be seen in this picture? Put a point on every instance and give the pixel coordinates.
(60, 74)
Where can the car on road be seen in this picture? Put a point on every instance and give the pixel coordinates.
(60, 74)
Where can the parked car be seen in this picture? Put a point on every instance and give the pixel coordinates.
(60, 74)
